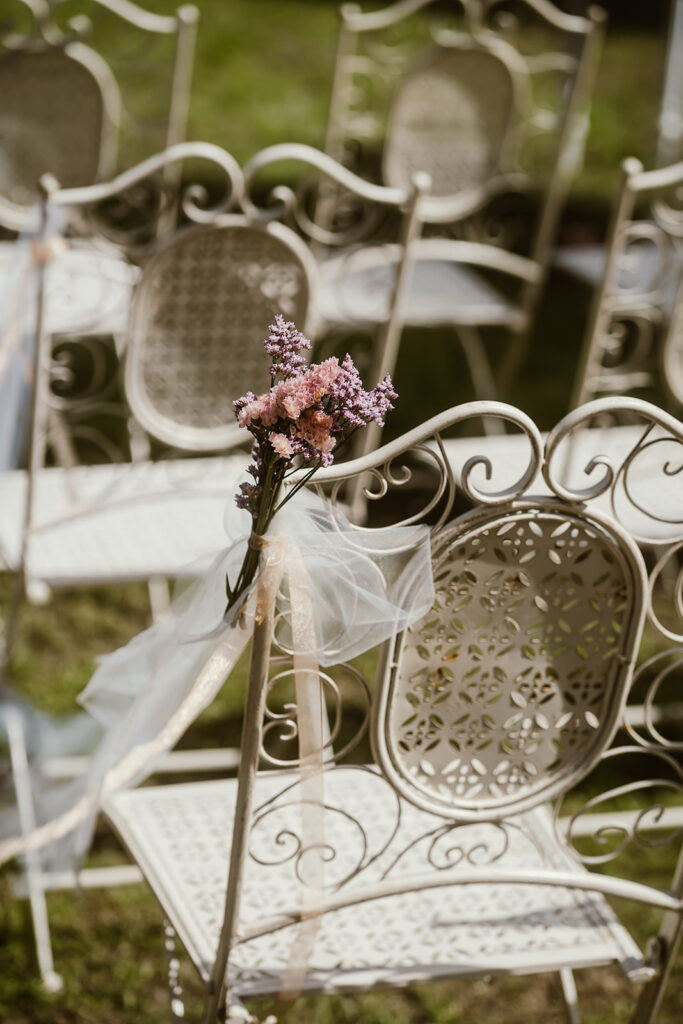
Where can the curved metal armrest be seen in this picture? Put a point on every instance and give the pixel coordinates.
(331, 168)
(193, 195)
(477, 254)
(80, 25)
(358, 20)
(425, 441)
(148, 21)
(450, 208)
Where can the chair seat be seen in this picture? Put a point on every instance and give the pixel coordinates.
(179, 836)
(88, 288)
(440, 293)
(114, 522)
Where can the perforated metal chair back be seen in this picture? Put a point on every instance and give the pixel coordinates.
(511, 687)
(454, 116)
(59, 114)
(200, 314)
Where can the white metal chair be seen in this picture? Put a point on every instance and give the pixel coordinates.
(71, 524)
(65, 112)
(74, 523)
(491, 104)
(193, 344)
(634, 342)
(201, 310)
(452, 856)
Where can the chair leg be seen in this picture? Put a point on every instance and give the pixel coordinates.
(512, 361)
(480, 371)
(159, 598)
(22, 787)
(652, 993)
(570, 996)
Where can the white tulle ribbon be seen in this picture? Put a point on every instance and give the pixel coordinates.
(365, 584)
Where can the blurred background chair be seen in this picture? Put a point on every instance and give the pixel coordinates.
(155, 510)
(464, 851)
(193, 344)
(634, 341)
(490, 100)
(62, 111)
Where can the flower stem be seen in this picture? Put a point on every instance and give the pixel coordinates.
(271, 482)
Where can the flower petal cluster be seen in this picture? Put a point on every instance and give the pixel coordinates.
(305, 417)
(307, 413)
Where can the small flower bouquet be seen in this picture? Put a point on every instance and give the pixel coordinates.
(303, 420)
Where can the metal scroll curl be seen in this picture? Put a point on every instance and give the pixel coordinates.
(353, 841)
(635, 469)
(194, 198)
(281, 726)
(605, 826)
(657, 684)
(423, 463)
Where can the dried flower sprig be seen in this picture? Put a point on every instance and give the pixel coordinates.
(307, 415)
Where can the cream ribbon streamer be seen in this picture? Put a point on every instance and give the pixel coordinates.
(310, 712)
(364, 586)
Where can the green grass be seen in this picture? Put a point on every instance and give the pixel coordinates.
(263, 74)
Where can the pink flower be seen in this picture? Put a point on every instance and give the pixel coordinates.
(325, 374)
(314, 428)
(299, 393)
(294, 395)
(264, 409)
(282, 445)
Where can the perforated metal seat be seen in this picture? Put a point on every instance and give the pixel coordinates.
(445, 932)
(118, 522)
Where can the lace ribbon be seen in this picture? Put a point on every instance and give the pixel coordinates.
(363, 586)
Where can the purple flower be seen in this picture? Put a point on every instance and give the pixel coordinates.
(284, 344)
(352, 405)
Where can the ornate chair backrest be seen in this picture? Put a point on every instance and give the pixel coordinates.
(455, 115)
(508, 691)
(62, 108)
(634, 343)
(60, 114)
(200, 313)
(488, 100)
(92, 403)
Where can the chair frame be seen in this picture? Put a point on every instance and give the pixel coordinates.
(198, 441)
(388, 470)
(38, 881)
